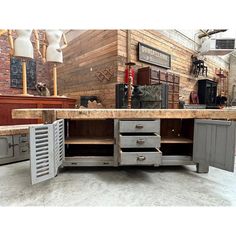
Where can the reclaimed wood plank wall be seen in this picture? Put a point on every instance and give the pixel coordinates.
(180, 58)
(93, 51)
(90, 66)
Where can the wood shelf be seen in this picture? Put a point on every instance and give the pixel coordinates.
(87, 140)
(176, 140)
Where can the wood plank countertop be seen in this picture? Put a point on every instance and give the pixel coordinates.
(14, 129)
(223, 114)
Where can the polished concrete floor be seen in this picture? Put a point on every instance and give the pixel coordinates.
(133, 186)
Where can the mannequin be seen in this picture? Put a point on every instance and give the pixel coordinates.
(23, 49)
(53, 51)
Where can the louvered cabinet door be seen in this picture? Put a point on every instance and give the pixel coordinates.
(42, 153)
(59, 150)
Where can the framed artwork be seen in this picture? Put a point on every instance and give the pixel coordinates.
(16, 73)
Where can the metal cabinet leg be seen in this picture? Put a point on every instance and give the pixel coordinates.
(202, 168)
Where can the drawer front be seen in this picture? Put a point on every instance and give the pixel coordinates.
(140, 141)
(170, 78)
(176, 88)
(163, 76)
(152, 126)
(155, 74)
(154, 81)
(6, 147)
(176, 79)
(140, 158)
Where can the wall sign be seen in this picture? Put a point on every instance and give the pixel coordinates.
(153, 56)
(16, 73)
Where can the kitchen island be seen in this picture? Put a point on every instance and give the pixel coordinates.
(120, 137)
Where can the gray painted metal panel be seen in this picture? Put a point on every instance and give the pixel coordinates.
(168, 160)
(21, 147)
(140, 158)
(89, 161)
(214, 143)
(139, 141)
(141, 126)
(6, 147)
(41, 153)
(115, 147)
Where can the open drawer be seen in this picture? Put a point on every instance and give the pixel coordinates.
(140, 140)
(134, 156)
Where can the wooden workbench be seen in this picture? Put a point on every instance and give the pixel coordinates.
(224, 114)
(120, 137)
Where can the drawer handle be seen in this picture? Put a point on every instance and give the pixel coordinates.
(12, 145)
(139, 126)
(140, 141)
(141, 158)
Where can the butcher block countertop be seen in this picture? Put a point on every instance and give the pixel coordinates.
(14, 129)
(223, 114)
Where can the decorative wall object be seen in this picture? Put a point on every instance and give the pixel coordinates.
(198, 67)
(221, 73)
(106, 74)
(16, 73)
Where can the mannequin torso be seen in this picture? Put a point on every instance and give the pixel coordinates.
(22, 44)
(54, 53)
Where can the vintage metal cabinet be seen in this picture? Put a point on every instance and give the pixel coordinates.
(14, 148)
(134, 142)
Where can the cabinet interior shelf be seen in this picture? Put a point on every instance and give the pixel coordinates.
(88, 140)
(176, 140)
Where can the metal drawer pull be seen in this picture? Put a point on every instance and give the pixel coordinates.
(139, 126)
(140, 141)
(12, 145)
(141, 158)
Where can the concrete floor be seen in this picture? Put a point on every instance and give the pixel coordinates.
(133, 186)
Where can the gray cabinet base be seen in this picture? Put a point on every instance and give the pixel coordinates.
(89, 161)
(202, 168)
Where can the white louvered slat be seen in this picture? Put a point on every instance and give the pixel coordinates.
(41, 153)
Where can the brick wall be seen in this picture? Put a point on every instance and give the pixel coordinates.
(42, 70)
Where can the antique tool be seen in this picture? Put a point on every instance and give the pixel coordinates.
(130, 64)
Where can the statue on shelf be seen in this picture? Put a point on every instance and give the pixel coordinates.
(42, 89)
(52, 51)
(22, 48)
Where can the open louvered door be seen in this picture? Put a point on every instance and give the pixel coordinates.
(46, 150)
(59, 150)
(41, 153)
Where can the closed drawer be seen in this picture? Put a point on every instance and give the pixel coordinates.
(150, 126)
(6, 147)
(155, 74)
(170, 78)
(154, 81)
(176, 79)
(176, 88)
(163, 76)
(140, 141)
(23, 139)
(140, 157)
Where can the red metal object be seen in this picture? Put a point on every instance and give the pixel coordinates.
(127, 75)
